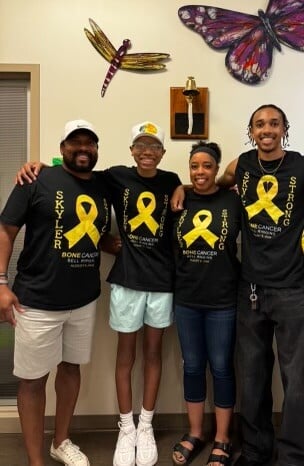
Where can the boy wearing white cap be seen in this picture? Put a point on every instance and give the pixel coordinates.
(141, 284)
(66, 213)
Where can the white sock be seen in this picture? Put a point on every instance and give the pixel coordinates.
(127, 421)
(145, 416)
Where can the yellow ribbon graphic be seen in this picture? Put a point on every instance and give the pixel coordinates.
(265, 198)
(144, 213)
(86, 225)
(200, 229)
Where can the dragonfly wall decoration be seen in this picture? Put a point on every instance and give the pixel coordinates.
(120, 58)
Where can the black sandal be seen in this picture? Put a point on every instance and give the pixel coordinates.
(223, 459)
(188, 455)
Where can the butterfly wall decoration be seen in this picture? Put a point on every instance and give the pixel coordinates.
(250, 39)
(120, 58)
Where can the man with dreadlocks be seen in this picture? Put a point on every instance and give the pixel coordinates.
(270, 181)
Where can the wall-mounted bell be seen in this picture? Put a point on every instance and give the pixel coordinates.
(190, 88)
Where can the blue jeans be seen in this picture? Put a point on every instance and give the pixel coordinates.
(280, 312)
(207, 336)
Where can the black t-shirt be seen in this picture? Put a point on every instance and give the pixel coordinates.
(64, 217)
(205, 234)
(273, 220)
(144, 220)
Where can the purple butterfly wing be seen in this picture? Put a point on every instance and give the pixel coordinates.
(283, 7)
(219, 27)
(192, 16)
(287, 21)
(249, 39)
(250, 59)
(250, 49)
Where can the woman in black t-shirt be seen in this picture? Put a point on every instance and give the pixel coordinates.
(207, 271)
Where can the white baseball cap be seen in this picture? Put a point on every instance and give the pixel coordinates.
(147, 128)
(78, 125)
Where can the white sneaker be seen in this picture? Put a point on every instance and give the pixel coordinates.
(146, 450)
(69, 454)
(125, 447)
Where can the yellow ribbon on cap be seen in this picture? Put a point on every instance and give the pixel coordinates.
(144, 213)
(201, 229)
(265, 198)
(86, 225)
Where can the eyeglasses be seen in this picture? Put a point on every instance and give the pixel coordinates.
(141, 146)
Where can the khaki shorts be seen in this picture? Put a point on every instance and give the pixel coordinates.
(131, 309)
(43, 339)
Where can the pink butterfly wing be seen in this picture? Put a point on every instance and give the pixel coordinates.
(250, 59)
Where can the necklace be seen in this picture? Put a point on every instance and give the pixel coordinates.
(271, 172)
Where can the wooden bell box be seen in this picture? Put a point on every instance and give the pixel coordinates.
(179, 117)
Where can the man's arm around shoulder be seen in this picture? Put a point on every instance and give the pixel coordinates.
(227, 180)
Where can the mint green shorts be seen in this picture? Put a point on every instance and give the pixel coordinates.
(131, 309)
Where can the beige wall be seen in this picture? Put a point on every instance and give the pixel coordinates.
(50, 33)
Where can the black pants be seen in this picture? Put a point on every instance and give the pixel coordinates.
(280, 312)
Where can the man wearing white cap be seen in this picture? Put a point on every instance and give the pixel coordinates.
(66, 213)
